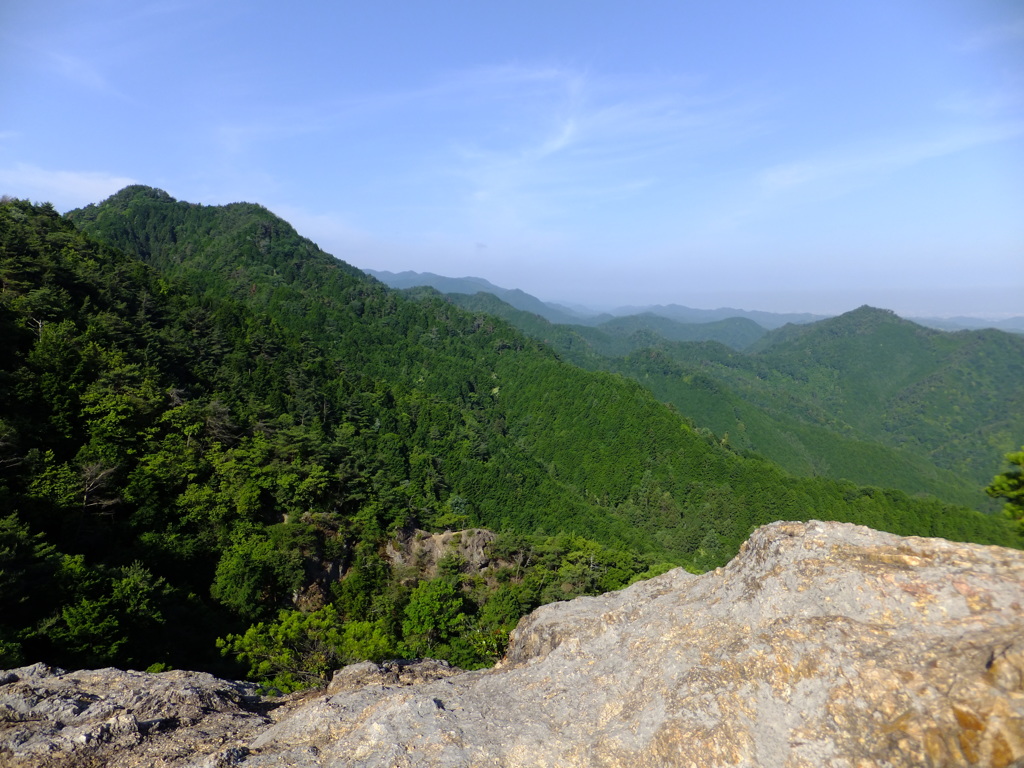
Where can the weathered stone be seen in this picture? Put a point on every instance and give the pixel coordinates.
(49, 717)
(390, 673)
(819, 644)
(421, 551)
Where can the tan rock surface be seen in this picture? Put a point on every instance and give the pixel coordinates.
(421, 551)
(820, 644)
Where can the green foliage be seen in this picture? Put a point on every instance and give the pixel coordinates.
(434, 616)
(866, 397)
(107, 615)
(28, 568)
(299, 650)
(1009, 486)
(255, 575)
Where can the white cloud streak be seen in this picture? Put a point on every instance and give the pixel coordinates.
(520, 144)
(79, 71)
(568, 139)
(997, 35)
(856, 166)
(65, 189)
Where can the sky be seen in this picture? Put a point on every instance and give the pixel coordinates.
(788, 156)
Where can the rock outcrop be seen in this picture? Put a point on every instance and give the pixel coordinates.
(820, 644)
(49, 717)
(421, 551)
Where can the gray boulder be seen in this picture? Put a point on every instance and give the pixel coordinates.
(49, 717)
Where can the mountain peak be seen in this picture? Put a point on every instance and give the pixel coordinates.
(866, 310)
(865, 319)
(135, 191)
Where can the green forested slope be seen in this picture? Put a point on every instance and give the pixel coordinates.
(735, 332)
(220, 424)
(956, 397)
(175, 464)
(616, 337)
(802, 438)
(865, 396)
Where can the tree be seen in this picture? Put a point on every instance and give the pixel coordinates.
(27, 566)
(433, 616)
(300, 650)
(108, 616)
(254, 576)
(1010, 486)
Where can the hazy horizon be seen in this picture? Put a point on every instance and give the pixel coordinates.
(618, 308)
(794, 157)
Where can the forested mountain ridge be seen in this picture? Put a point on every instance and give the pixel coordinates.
(177, 466)
(473, 285)
(616, 337)
(800, 410)
(206, 420)
(866, 396)
(955, 397)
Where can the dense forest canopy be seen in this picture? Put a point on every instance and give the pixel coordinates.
(209, 428)
(866, 396)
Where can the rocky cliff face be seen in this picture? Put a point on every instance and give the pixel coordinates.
(420, 552)
(820, 644)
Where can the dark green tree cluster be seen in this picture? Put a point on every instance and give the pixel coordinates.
(1009, 486)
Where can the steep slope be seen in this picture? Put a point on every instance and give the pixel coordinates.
(804, 439)
(955, 398)
(176, 465)
(744, 400)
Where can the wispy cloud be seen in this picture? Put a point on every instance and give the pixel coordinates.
(525, 138)
(999, 34)
(992, 103)
(79, 71)
(517, 152)
(329, 116)
(846, 168)
(65, 189)
(567, 138)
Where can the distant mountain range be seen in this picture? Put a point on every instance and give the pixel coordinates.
(1010, 324)
(554, 313)
(562, 314)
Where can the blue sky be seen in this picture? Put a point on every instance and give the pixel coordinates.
(785, 156)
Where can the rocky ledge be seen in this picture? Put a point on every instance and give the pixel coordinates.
(819, 644)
